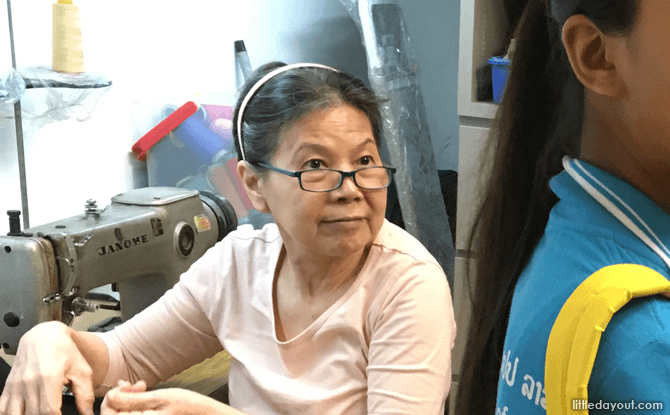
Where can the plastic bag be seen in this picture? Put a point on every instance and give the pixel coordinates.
(54, 96)
(394, 75)
(12, 86)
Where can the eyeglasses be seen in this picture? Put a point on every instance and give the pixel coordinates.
(326, 180)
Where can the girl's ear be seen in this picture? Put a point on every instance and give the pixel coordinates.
(596, 58)
(252, 184)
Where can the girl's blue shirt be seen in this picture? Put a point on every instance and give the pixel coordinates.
(632, 366)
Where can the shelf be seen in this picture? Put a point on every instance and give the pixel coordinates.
(472, 141)
(44, 77)
(481, 35)
(477, 109)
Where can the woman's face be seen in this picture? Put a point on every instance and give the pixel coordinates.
(336, 223)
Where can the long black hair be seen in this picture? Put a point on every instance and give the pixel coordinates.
(539, 121)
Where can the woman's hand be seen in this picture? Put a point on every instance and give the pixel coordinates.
(46, 360)
(133, 399)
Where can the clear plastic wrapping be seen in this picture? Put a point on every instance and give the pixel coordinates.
(52, 96)
(12, 86)
(394, 76)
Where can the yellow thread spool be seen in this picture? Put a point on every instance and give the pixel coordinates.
(68, 55)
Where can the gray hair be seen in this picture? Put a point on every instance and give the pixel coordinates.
(286, 98)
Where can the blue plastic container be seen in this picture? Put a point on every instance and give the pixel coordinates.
(202, 142)
(187, 150)
(171, 159)
(500, 69)
(192, 156)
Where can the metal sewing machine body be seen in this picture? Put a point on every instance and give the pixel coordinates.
(142, 243)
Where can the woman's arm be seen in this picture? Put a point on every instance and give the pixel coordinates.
(94, 351)
(127, 399)
(49, 356)
(176, 331)
(409, 367)
(166, 338)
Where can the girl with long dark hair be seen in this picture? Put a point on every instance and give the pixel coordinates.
(587, 107)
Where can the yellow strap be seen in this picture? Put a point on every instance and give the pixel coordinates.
(575, 336)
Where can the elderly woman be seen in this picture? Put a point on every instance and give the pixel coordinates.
(332, 310)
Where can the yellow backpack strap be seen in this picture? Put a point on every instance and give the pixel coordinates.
(575, 336)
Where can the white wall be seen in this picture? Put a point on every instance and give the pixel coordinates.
(156, 54)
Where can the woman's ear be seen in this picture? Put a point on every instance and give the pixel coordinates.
(252, 184)
(596, 58)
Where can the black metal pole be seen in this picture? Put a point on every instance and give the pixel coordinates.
(19, 130)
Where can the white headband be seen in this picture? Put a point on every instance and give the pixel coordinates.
(259, 84)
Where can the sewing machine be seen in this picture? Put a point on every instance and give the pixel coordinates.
(141, 243)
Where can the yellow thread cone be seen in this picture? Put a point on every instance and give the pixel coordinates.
(68, 55)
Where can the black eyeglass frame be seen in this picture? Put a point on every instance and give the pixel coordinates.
(343, 174)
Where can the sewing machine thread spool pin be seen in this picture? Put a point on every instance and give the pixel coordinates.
(14, 223)
(91, 208)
